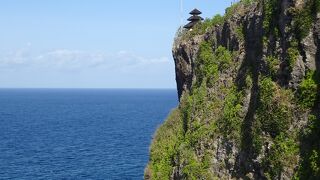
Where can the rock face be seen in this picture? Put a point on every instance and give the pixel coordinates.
(184, 54)
(248, 85)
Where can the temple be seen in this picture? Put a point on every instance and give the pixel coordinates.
(194, 19)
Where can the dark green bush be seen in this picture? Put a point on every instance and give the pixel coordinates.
(304, 18)
(230, 123)
(283, 153)
(231, 10)
(271, 11)
(223, 57)
(293, 55)
(273, 65)
(307, 92)
(164, 147)
(202, 27)
(310, 163)
(194, 169)
(239, 33)
(248, 2)
(209, 63)
(274, 111)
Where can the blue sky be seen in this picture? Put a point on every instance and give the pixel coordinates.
(92, 43)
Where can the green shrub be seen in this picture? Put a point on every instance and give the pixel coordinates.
(283, 153)
(223, 58)
(293, 55)
(164, 146)
(205, 65)
(274, 110)
(209, 63)
(310, 152)
(230, 123)
(304, 17)
(194, 109)
(193, 168)
(315, 162)
(248, 2)
(217, 20)
(202, 27)
(271, 11)
(273, 65)
(231, 10)
(239, 33)
(307, 92)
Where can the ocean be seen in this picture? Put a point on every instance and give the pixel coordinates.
(79, 133)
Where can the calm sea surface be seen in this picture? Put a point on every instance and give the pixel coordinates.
(79, 134)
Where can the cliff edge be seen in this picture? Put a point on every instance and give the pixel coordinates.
(249, 89)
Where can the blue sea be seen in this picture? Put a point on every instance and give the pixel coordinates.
(79, 133)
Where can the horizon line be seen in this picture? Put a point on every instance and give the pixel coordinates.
(113, 88)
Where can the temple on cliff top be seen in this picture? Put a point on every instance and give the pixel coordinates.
(194, 19)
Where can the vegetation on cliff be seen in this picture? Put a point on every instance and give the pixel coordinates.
(252, 109)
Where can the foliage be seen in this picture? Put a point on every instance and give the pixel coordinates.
(209, 63)
(216, 20)
(239, 33)
(231, 10)
(310, 150)
(230, 122)
(223, 58)
(205, 65)
(304, 18)
(293, 55)
(274, 111)
(248, 2)
(307, 92)
(202, 27)
(271, 11)
(212, 109)
(193, 168)
(197, 111)
(283, 153)
(273, 64)
(164, 146)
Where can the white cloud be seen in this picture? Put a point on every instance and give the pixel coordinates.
(65, 59)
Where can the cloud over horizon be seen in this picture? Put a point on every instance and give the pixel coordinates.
(67, 59)
(70, 68)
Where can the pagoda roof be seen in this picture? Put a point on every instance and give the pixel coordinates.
(190, 25)
(195, 12)
(195, 18)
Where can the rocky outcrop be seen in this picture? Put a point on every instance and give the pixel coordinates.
(184, 54)
(185, 51)
(246, 118)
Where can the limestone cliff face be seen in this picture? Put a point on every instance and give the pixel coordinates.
(248, 85)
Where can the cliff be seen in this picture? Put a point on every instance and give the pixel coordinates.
(248, 84)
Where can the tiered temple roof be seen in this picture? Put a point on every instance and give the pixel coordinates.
(194, 19)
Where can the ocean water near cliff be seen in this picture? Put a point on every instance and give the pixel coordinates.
(79, 133)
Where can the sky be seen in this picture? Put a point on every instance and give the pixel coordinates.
(92, 43)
